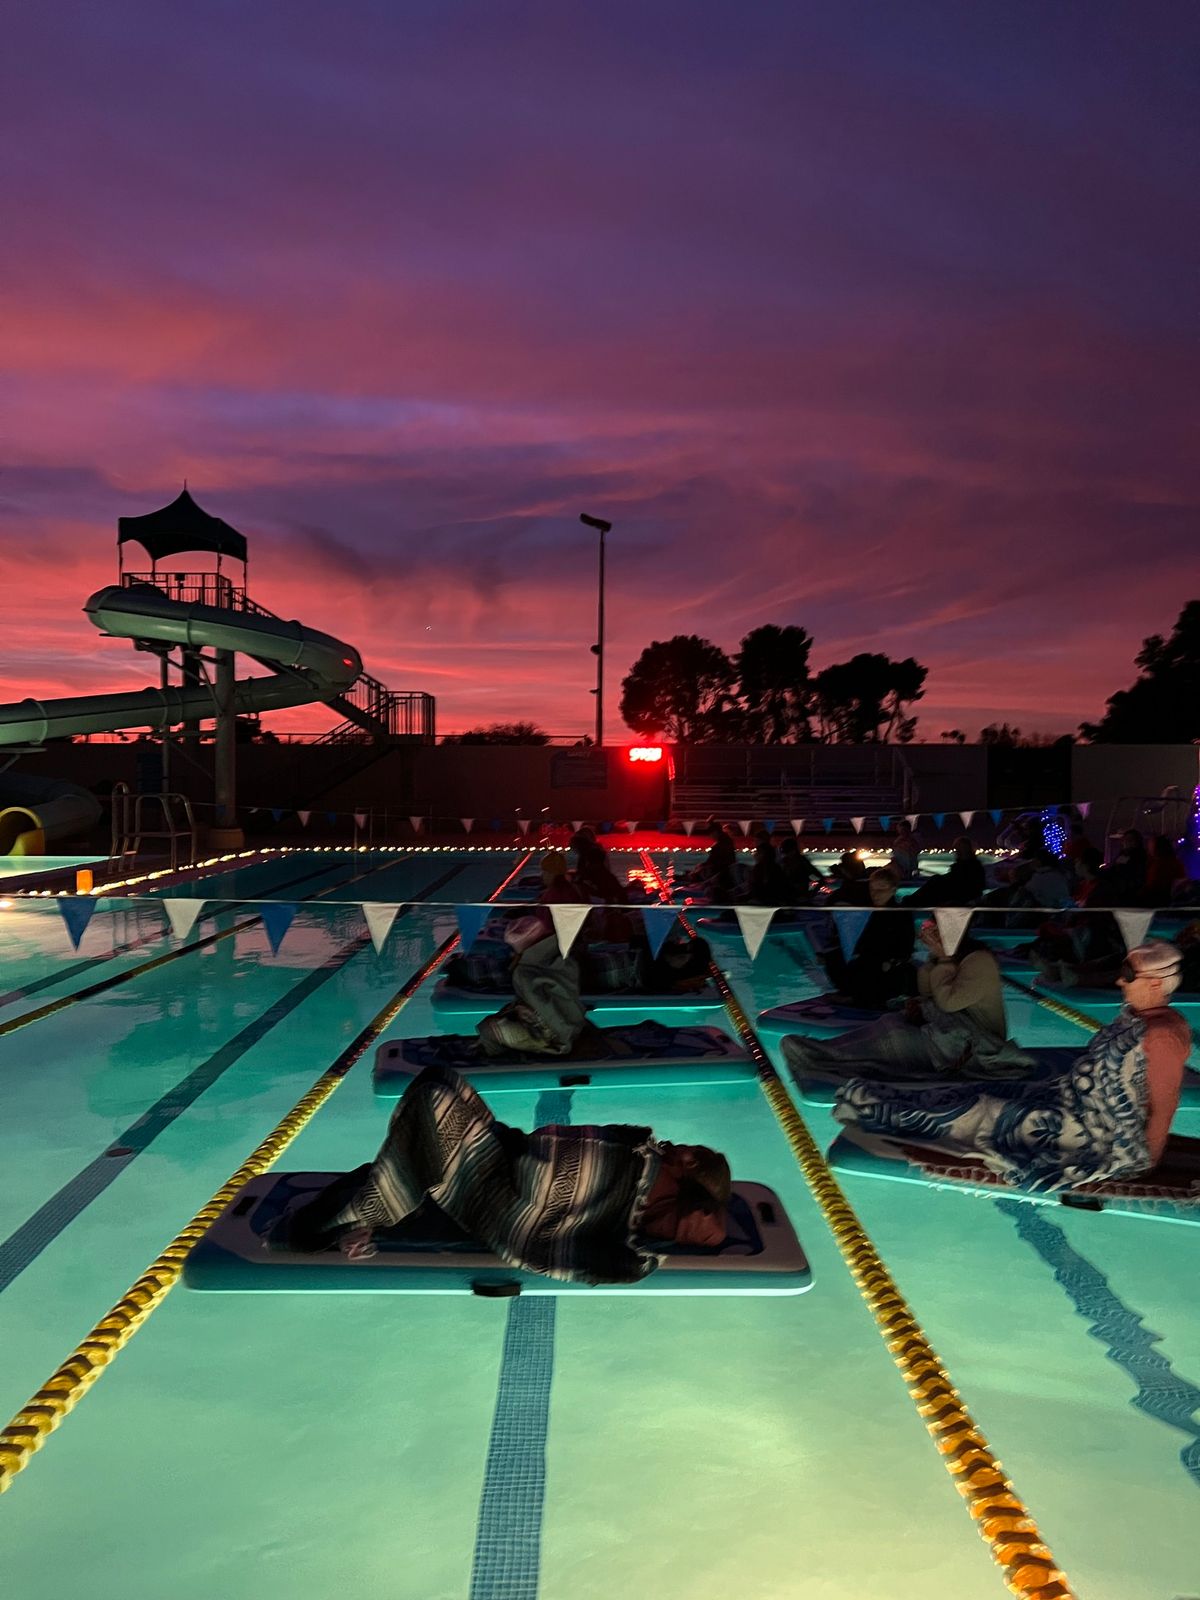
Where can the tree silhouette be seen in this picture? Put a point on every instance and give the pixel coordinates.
(856, 699)
(500, 733)
(774, 684)
(680, 689)
(1163, 705)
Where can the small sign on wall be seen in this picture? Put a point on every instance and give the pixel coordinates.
(578, 769)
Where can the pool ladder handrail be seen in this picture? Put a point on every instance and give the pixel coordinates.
(130, 826)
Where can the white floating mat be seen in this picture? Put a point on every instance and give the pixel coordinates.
(643, 1055)
(1171, 1193)
(761, 1255)
(449, 999)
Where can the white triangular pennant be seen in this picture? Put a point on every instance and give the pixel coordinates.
(523, 824)
(568, 919)
(1083, 807)
(304, 816)
(850, 925)
(689, 826)
(1134, 926)
(182, 914)
(797, 826)
(631, 827)
(858, 823)
(745, 824)
(468, 823)
(951, 925)
(379, 917)
(912, 818)
(575, 827)
(968, 817)
(417, 823)
(754, 922)
(360, 819)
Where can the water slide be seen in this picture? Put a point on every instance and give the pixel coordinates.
(305, 666)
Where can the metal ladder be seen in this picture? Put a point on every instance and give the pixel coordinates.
(130, 826)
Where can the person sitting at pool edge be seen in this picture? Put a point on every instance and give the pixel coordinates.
(1108, 1116)
(961, 885)
(582, 1204)
(906, 850)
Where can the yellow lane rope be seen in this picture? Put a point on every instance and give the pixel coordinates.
(103, 985)
(62, 1391)
(1060, 1008)
(1003, 1521)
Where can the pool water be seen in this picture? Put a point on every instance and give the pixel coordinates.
(286, 1446)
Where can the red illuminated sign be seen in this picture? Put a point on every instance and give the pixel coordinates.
(646, 752)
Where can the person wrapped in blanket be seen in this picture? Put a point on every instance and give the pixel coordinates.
(880, 967)
(954, 1027)
(1107, 1117)
(582, 1204)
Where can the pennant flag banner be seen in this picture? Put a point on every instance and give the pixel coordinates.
(657, 921)
(77, 912)
(995, 816)
(1134, 926)
(568, 920)
(277, 919)
(379, 922)
(744, 823)
(276, 814)
(417, 823)
(630, 827)
(886, 824)
(968, 817)
(360, 819)
(689, 824)
(754, 922)
(939, 819)
(771, 824)
(951, 925)
(304, 816)
(912, 818)
(858, 823)
(470, 919)
(575, 827)
(182, 914)
(1083, 808)
(797, 826)
(523, 824)
(827, 824)
(850, 925)
(468, 823)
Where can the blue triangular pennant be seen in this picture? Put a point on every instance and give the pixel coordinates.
(771, 824)
(277, 918)
(496, 825)
(276, 813)
(331, 816)
(886, 824)
(657, 921)
(850, 925)
(470, 920)
(995, 816)
(939, 818)
(827, 824)
(77, 911)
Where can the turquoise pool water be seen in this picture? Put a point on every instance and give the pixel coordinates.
(283, 1446)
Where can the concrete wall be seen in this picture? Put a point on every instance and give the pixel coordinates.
(1106, 773)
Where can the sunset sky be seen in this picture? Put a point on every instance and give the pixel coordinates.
(879, 318)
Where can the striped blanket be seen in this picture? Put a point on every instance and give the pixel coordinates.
(563, 1201)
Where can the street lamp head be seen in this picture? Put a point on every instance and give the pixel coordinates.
(595, 522)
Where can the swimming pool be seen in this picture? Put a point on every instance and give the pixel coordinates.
(278, 1445)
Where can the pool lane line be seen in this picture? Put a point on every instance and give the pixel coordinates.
(506, 1564)
(1001, 1518)
(28, 1430)
(51, 1219)
(27, 1018)
(89, 962)
(1161, 1392)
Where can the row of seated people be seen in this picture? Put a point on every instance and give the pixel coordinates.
(1138, 875)
(606, 1198)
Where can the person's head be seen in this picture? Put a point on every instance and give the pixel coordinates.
(704, 1176)
(713, 827)
(1162, 848)
(904, 829)
(882, 885)
(789, 845)
(583, 837)
(764, 850)
(1131, 839)
(851, 866)
(554, 866)
(1150, 975)
(964, 850)
(1089, 863)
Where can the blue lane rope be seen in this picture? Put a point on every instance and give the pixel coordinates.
(508, 1534)
(23, 1247)
(1161, 1392)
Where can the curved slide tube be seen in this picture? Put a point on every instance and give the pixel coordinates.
(309, 666)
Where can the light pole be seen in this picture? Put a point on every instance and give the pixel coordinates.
(602, 528)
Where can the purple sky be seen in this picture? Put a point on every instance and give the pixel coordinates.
(876, 318)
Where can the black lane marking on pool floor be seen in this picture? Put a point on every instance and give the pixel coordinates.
(508, 1536)
(48, 1221)
(86, 965)
(1161, 1393)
